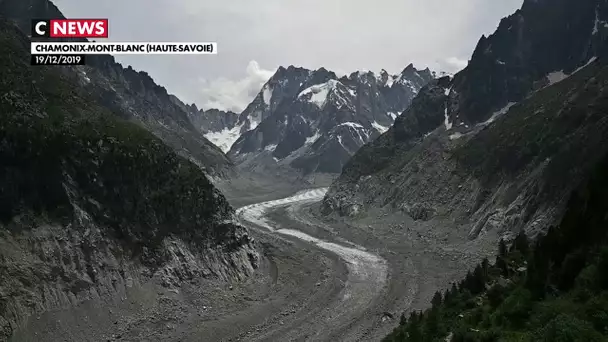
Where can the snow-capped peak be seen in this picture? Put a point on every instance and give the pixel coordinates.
(330, 113)
(319, 94)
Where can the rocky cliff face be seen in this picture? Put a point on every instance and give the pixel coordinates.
(90, 203)
(538, 44)
(314, 121)
(501, 144)
(132, 93)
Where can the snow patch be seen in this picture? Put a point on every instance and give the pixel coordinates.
(556, 76)
(596, 26)
(319, 92)
(494, 116)
(392, 115)
(85, 77)
(456, 135)
(253, 124)
(351, 124)
(500, 62)
(398, 78)
(379, 127)
(267, 94)
(407, 83)
(446, 121)
(311, 140)
(591, 60)
(224, 139)
(270, 147)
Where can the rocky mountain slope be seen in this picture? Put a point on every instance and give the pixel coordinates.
(551, 289)
(499, 146)
(133, 94)
(313, 121)
(92, 204)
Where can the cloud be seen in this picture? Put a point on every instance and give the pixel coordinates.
(312, 34)
(454, 64)
(234, 95)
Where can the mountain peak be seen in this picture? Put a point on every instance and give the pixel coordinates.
(321, 120)
(409, 68)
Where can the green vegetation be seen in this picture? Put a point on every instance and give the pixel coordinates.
(552, 289)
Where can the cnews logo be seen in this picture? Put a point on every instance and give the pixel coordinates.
(70, 28)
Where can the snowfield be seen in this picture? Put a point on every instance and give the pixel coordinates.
(224, 139)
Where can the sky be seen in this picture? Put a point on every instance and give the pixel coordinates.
(255, 37)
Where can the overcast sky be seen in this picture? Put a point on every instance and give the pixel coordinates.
(256, 36)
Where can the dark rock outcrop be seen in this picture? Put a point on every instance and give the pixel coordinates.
(213, 120)
(539, 39)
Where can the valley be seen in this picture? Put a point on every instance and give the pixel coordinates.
(317, 280)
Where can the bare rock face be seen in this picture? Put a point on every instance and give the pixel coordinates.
(502, 143)
(91, 204)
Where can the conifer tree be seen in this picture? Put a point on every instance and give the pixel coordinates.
(501, 259)
(437, 300)
(502, 248)
(521, 243)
